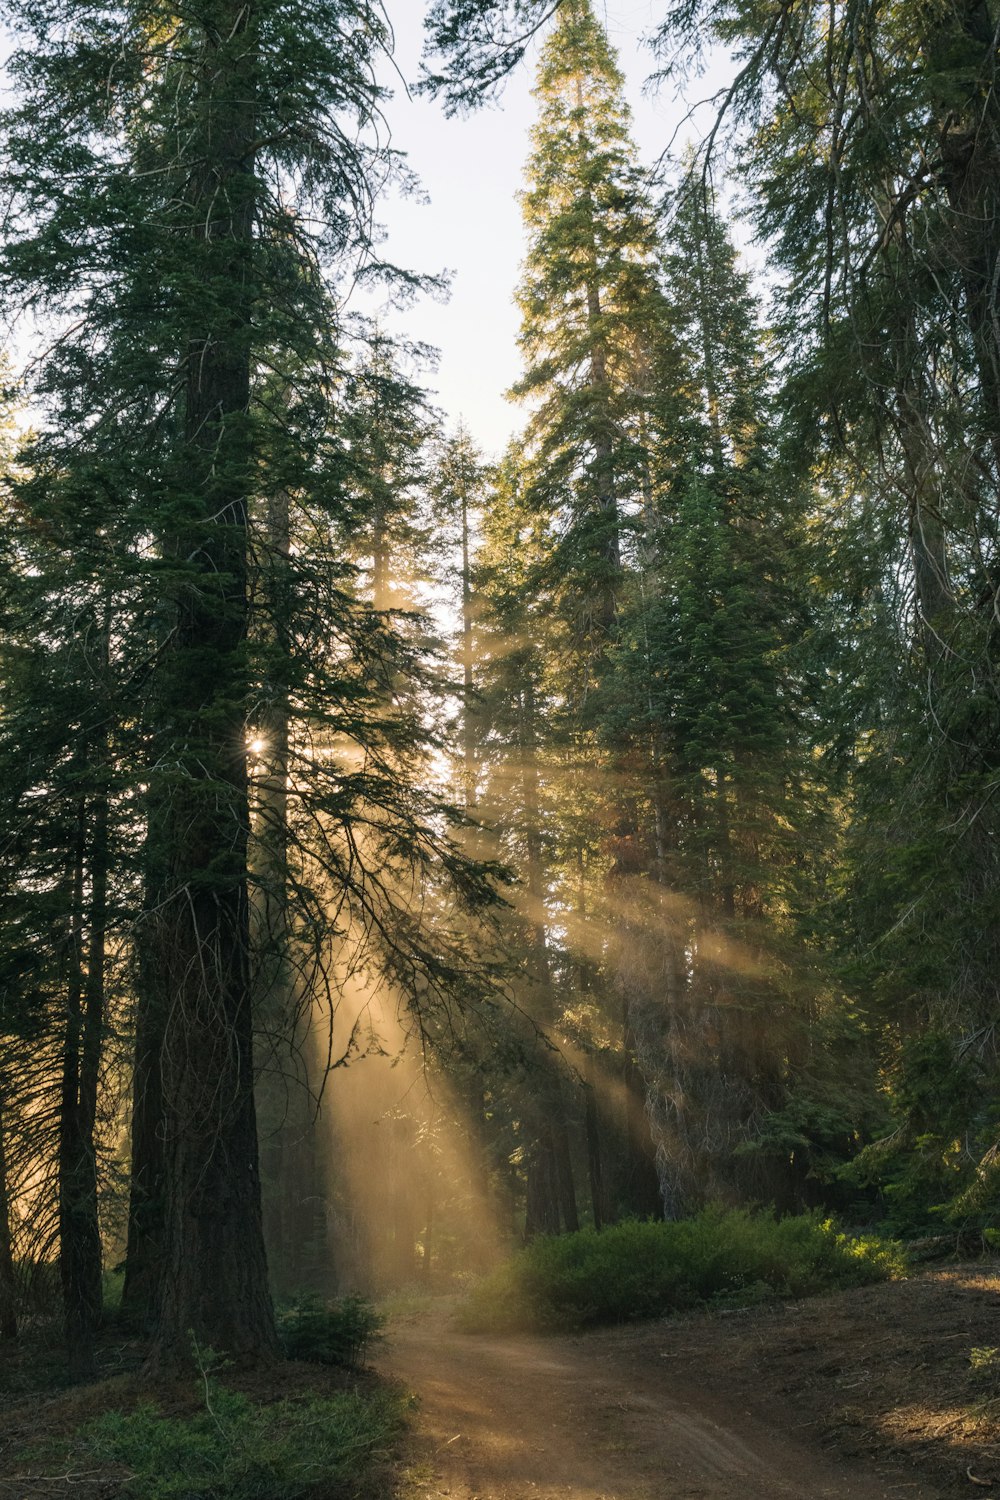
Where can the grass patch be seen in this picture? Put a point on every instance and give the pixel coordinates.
(646, 1270)
(237, 1449)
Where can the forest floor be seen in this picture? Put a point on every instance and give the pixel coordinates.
(856, 1394)
(852, 1396)
(43, 1422)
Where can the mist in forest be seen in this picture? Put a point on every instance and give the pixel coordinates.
(508, 845)
(374, 1179)
(411, 1195)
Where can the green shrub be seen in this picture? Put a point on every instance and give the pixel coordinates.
(984, 1367)
(237, 1450)
(329, 1333)
(643, 1270)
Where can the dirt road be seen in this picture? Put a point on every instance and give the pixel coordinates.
(598, 1417)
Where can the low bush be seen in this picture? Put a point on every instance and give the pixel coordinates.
(984, 1368)
(236, 1449)
(643, 1270)
(329, 1333)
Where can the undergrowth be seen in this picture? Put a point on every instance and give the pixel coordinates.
(236, 1449)
(984, 1369)
(329, 1333)
(648, 1269)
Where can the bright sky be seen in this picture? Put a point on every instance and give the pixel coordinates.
(471, 169)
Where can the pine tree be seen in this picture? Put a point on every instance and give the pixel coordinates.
(385, 428)
(595, 334)
(65, 755)
(458, 502)
(588, 302)
(194, 184)
(711, 693)
(516, 806)
(876, 178)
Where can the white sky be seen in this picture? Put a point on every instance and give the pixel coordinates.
(471, 169)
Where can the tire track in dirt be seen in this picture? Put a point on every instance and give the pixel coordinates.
(585, 1419)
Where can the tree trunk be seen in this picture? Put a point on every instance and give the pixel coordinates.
(541, 1212)
(79, 1234)
(286, 1105)
(563, 1161)
(642, 1182)
(468, 689)
(603, 429)
(214, 1284)
(553, 1165)
(600, 1207)
(607, 504)
(8, 1283)
(920, 484)
(928, 544)
(381, 583)
(428, 1234)
(144, 1250)
(970, 169)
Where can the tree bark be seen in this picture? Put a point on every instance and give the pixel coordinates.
(602, 427)
(928, 544)
(79, 1233)
(144, 1249)
(642, 1182)
(599, 1205)
(551, 1166)
(8, 1281)
(541, 1213)
(970, 163)
(214, 1284)
(468, 686)
(294, 1233)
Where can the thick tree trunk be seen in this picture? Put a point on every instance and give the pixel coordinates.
(214, 1271)
(214, 1284)
(970, 169)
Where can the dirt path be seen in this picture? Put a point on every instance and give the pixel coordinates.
(596, 1418)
